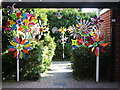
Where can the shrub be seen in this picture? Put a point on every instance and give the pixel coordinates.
(36, 62)
(84, 64)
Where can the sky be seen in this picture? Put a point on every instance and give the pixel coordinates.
(89, 9)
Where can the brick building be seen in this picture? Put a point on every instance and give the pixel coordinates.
(105, 14)
(111, 30)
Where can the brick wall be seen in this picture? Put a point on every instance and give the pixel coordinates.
(105, 28)
(117, 46)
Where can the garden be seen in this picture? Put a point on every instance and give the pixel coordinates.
(37, 36)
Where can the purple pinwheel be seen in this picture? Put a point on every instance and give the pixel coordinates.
(97, 22)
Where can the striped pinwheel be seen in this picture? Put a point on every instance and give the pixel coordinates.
(19, 47)
(55, 30)
(84, 27)
(96, 43)
(73, 31)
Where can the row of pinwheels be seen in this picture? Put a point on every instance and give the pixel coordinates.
(85, 33)
(26, 28)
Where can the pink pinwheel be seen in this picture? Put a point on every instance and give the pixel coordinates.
(96, 43)
(97, 22)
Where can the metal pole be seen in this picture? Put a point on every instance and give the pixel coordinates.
(17, 59)
(63, 46)
(97, 67)
(17, 66)
(97, 58)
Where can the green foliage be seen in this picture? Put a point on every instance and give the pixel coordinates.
(84, 64)
(68, 18)
(6, 36)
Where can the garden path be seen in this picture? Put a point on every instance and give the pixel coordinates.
(59, 76)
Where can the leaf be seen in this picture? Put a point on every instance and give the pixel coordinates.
(96, 52)
(11, 49)
(10, 46)
(25, 51)
(17, 40)
(87, 44)
(13, 15)
(15, 54)
(18, 15)
(8, 29)
(20, 29)
(27, 45)
(23, 41)
(13, 27)
(12, 22)
(104, 44)
(21, 55)
(90, 46)
(13, 43)
(92, 49)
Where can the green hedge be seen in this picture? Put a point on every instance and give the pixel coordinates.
(36, 62)
(84, 64)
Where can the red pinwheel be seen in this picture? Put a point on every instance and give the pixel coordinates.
(96, 43)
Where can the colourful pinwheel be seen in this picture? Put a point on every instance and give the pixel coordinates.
(97, 22)
(62, 30)
(63, 40)
(74, 43)
(59, 16)
(96, 43)
(84, 27)
(23, 23)
(73, 31)
(19, 47)
(55, 30)
(78, 16)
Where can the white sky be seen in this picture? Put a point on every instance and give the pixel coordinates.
(89, 9)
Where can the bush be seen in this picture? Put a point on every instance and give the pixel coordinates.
(36, 62)
(84, 64)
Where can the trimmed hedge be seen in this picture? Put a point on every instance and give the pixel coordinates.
(84, 64)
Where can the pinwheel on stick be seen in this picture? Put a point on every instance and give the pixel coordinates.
(95, 43)
(19, 47)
